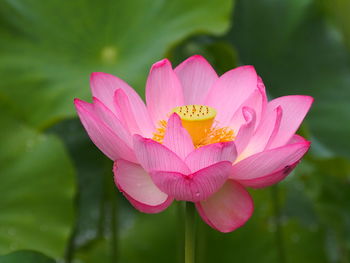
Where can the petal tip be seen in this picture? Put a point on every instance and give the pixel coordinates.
(161, 63)
(310, 99)
(95, 75)
(76, 101)
(249, 68)
(95, 100)
(196, 57)
(174, 116)
(80, 103)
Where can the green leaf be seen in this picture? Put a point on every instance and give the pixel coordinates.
(25, 256)
(49, 48)
(295, 52)
(37, 190)
(92, 168)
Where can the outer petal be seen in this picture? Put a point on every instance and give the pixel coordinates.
(270, 179)
(294, 111)
(269, 167)
(194, 187)
(103, 137)
(154, 156)
(103, 86)
(136, 119)
(177, 138)
(138, 187)
(109, 118)
(261, 87)
(227, 209)
(196, 76)
(211, 154)
(230, 91)
(163, 91)
(247, 130)
(297, 139)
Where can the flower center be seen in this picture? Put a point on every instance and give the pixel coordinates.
(198, 120)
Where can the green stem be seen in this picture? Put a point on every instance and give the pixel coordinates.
(190, 233)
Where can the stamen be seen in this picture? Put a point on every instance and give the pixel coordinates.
(199, 125)
(160, 132)
(216, 135)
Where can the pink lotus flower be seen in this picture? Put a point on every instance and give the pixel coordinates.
(201, 138)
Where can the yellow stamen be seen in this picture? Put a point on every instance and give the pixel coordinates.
(216, 135)
(198, 121)
(160, 132)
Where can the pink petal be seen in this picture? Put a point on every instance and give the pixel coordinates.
(247, 130)
(109, 118)
(177, 138)
(103, 86)
(270, 179)
(154, 156)
(230, 91)
(261, 87)
(137, 186)
(211, 154)
(297, 139)
(196, 76)
(257, 102)
(264, 134)
(294, 109)
(103, 137)
(227, 209)
(163, 91)
(194, 187)
(135, 119)
(269, 167)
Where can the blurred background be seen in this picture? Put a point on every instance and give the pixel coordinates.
(57, 197)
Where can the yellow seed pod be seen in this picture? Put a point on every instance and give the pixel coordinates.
(197, 120)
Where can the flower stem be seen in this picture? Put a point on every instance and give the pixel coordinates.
(190, 233)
